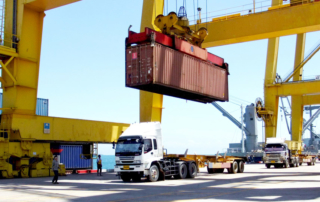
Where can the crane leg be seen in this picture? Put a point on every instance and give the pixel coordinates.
(270, 97)
(297, 100)
(150, 103)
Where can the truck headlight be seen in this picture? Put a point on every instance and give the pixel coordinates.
(137, 161)
(118, 162)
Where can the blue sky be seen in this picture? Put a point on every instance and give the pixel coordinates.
(82, 73)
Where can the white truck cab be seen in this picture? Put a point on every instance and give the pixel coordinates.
(139, 153)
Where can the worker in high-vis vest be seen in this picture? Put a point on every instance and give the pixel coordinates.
(99, 165)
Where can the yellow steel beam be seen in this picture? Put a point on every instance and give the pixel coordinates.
(20, 89)
(311, 99)
(297, 101)
(150, 103)
(271, 101)
(43, 5)
(4, 66)
(275, 23)
(26, 127)
(294, 88)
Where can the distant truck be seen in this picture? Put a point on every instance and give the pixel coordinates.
(139, 153)
(281, 153)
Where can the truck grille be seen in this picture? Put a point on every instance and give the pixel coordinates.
(126, 157)
(126, 161)
(273, 155)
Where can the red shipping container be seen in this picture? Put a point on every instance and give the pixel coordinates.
(162, 70)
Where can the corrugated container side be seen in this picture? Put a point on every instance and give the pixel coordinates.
(70, 157)
(42, 108)
(166, 71)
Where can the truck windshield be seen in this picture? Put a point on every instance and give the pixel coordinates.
(275, 147)
(129, 147)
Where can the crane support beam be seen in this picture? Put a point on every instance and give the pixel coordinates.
(264, 25)
(311, 120)
(294, 88)
(231, 118)
(25, 127)
(311, 99)
(297, 101)
(44, 5)
(150, 103)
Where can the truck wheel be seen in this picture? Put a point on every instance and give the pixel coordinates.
(234, 168)
(125, 178)
(240, 167)
(154, 173)
(192, 171)
(183, 171)
(267, 165)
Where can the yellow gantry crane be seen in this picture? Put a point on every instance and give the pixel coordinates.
(297, 17)
(24, 137)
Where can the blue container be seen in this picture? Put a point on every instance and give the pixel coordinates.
(42, 108)
(70, 157)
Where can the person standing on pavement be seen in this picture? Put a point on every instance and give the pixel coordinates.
(55, 168)
(99, 165)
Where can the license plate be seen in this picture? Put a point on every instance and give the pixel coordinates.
(126, 167)
(273, 161)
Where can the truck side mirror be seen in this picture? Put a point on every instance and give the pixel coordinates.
(113, 145)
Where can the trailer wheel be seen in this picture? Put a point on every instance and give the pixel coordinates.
(192, 170)
(183, 171)
(125, 178)
(154, 173)
(240, 167)
(234, 168)
(267, 165)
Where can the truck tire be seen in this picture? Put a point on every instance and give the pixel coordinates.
(234, 168)
(125, 178)
(192, 170)
(183, 171)
(154, 173)
(240, 167)
(267, 165)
